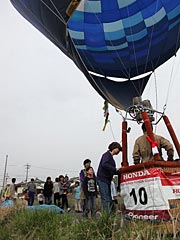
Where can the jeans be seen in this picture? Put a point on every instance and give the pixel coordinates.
(57, 199)
(65, 201)
(48, 199)
(30, 198)
(106, 199)
(90, 206)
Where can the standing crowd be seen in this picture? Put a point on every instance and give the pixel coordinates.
(52, 193)
(84, 192)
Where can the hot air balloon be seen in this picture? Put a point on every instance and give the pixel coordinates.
(123, 39)
(118, 44)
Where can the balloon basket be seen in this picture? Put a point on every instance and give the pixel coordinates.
(151, 193)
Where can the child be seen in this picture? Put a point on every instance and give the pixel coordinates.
(40, 197)
(26, 196)
(82, 174)
(77, 191)
(66, 187)
(114, 197)
(56, 192)
(90, 192)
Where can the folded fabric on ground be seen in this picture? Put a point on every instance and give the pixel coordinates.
(45, 206)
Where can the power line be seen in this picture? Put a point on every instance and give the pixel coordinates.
(55, 169)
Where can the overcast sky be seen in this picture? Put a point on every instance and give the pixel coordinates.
(50, 116)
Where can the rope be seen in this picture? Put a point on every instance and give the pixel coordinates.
(170, 82)
(156, 98)
(58, 16)
(112, 131)
(140, 87)
(172, 70)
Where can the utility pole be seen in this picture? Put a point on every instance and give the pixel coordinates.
(27, 171)
(4, 178)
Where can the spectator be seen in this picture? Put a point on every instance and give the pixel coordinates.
(77, 192)
(26, 196)
(82, 175)
(56, 192)
(61, 188)
(90, 192)
(12, 190)
(40, 198)
(114, 196)
(66, 187)
(48, 191)
(106, 170)
(31, 187)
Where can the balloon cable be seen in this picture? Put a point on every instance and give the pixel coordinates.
(112, 131)
(156, 95)
(146, 61)
(170, 82)
(58, 15)
(172, 71)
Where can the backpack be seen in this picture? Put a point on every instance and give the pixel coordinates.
(7, 192)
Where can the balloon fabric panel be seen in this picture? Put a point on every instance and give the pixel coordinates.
(117, 38)
(133, 36)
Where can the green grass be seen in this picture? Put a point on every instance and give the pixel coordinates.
(24, 224)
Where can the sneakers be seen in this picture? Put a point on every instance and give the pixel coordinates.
(78, 211)
(69, 209)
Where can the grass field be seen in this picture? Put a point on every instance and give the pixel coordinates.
(20, 224)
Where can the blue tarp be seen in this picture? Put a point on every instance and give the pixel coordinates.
(53, 208)
(6, 203)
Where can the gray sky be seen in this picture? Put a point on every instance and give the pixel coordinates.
(50, 116)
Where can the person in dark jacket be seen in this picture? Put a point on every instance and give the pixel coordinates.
(48, 191)
(106, 170)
